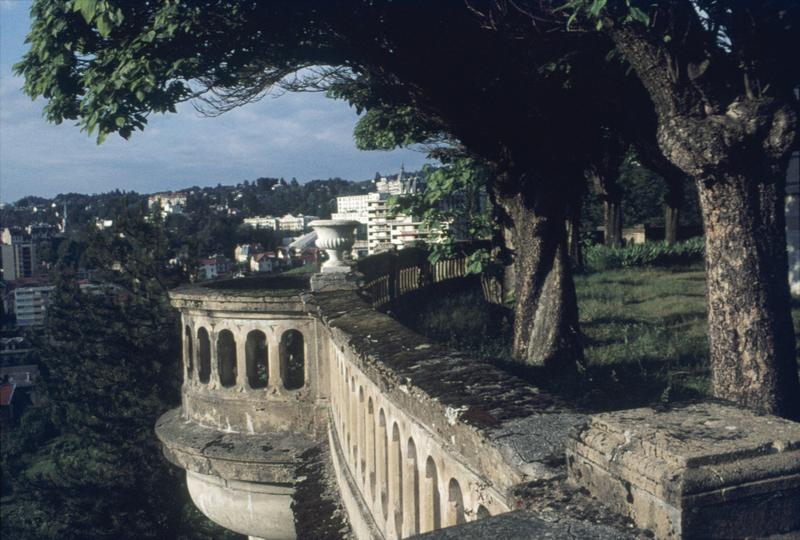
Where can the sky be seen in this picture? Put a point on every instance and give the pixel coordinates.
(305, 135)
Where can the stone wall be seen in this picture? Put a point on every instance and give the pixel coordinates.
(421, 437)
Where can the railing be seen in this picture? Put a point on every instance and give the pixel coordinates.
(389, 276)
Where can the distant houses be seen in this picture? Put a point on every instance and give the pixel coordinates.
(287, 222)
(168, 202)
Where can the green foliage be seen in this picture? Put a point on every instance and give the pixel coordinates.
(384, 128)
(599, 257)
(454, 209)
(84, 463)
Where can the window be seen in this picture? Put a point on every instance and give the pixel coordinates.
(226, 358)
(257, 359)
(203, 355)
(293, 368)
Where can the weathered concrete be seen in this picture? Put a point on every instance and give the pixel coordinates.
(346, 280)
(526, 526)
(259, 510)
(705, 470)
(423, 437)
(501, 426)
(266, 458)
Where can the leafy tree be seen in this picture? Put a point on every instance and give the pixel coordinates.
(84, 463)
(723, 82)
(453, 208)
(110, 64)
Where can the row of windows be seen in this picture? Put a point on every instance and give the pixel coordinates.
(291, 357)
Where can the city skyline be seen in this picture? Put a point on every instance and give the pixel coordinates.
(307, 136)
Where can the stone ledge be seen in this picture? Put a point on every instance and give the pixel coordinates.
(522, 525)
(271, 458)
(706, 470)
(503, 427)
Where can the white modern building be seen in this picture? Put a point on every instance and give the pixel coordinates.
(298, 223)
(30, 304)
(169, 202)
(261, 222)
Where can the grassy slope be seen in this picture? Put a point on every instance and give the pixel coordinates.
(645, 336)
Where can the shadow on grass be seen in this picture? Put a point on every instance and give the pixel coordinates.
(461, 319)
(623, 385)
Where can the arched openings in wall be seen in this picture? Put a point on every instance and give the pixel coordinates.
(411, 490)
(188, 339)
(203, 355)
(482, 512)
(396, 478)
(257, 359)
(430, 506)
(455, 506)
(226, 358)
(293, 360)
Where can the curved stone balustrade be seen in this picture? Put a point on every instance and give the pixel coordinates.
(421, 438)
(248, 358)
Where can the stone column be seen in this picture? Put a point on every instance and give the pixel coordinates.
(274, 363)
(242, 384)
(410, 493)
(793, 221)
(213, 382)
(370, 450)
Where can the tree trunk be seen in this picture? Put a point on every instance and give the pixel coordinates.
(574, 236)
(613, 221)
(671, 215)
(736, 148)
(751, 334)
(605, 185)
(546, 330)
(672, 207)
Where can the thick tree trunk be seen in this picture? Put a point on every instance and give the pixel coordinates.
(546, 330)
(751, 333)
(736, 147)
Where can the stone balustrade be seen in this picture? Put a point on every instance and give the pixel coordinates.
(269, 365)
(421, 437)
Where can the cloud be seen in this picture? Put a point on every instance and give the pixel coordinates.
(297, 135)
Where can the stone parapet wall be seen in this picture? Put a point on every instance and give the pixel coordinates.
(424, 438)
(432, 438)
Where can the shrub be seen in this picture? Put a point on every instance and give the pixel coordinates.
(687, 252)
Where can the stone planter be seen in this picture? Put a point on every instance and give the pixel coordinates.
(336, 237)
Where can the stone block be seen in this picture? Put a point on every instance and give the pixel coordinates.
(706, 470)
(335, 280)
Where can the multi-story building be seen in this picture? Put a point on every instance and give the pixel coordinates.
(287, 222)
(169, 203)
(212, 267)
(19, 260)
(298, 223)
(30, 304)
(244, 252)
(261, 222)
(264, 262)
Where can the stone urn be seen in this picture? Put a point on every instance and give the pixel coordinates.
(336, 237)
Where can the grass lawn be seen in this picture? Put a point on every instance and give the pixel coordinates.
(645, 336)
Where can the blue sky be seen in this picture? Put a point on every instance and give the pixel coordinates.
(306, 136)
